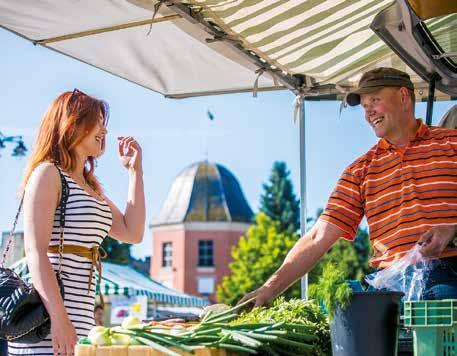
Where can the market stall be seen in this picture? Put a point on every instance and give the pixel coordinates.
(127, 291)
(316, 49)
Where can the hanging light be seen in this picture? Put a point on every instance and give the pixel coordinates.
(20, 149)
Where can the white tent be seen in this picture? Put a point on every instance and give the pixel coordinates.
(204, 47)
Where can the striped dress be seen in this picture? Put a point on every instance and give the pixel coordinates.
(87, 222)
(403, 192)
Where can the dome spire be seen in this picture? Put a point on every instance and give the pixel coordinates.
(204, 192)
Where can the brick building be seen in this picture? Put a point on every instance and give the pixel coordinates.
(203, 216)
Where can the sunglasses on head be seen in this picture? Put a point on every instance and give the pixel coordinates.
(75, 95)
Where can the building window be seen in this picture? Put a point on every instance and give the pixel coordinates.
(205, 253)
(167, 254)
(205, 285)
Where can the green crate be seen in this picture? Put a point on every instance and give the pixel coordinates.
(431, 313)
(434, 326)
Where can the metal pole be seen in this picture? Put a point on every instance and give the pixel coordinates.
(304, 279)
(430, 100)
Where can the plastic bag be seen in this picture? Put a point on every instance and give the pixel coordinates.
(408, 275)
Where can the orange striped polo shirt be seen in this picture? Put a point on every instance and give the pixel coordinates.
(403, 192)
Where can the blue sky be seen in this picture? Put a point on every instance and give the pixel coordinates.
(247, 135)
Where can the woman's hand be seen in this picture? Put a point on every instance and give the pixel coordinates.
(129, 226)
(130, 153)
(63, 336)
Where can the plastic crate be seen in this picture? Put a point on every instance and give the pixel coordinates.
(434, 326)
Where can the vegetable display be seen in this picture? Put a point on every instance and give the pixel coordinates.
(332, 289)
(294, 312)
(298, 333)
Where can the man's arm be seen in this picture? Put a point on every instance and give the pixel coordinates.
(299, 261)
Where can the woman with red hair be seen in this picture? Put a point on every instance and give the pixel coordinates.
(70, 138)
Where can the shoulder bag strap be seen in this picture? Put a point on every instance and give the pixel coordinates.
(62, 204)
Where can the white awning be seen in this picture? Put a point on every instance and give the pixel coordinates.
(169, 56)
(171, 52)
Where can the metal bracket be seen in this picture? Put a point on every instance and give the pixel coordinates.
(289, 81)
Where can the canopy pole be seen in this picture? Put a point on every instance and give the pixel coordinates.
(304, 279)
(124, 26)
(196, 18)
(430, 100)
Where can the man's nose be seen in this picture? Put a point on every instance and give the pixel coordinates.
(369, 111)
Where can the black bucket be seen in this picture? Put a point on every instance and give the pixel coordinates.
(368, 326)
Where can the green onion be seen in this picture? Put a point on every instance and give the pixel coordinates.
(157, 346)
(246, 340)
(300, 345)
(220, 318)
(259, 336)
(166, 341)
(237, 348)
(231, 310)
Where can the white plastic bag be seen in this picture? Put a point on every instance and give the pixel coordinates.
(408, 275)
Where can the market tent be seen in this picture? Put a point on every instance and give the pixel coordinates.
(203, 47)
(124, 280)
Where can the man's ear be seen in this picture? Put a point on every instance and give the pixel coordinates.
(403, 94)
(405, 97)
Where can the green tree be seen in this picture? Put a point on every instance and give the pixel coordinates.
(351, 257)
(362, 246)
(117, 252)
(279, 201)
(258, 254)
(343, 255)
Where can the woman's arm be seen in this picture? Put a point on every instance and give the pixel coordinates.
(41, 198)
(129, 226)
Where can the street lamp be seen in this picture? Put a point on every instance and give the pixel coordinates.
(19, 150)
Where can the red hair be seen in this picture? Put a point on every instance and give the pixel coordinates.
(63, 127)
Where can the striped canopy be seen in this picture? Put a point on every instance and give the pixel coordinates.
(327, 40)
(124, 280)
(203, 47)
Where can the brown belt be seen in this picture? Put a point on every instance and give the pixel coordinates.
(95, 254)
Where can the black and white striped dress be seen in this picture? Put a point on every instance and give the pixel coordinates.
(87, 222)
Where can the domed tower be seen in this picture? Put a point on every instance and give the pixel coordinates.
(203, 216)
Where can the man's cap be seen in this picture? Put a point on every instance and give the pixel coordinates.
(377, 79)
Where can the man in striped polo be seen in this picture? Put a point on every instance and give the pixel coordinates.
(405, 185)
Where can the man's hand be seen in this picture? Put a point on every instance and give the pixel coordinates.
(435, 240)
(261, 295)
(300, 259)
